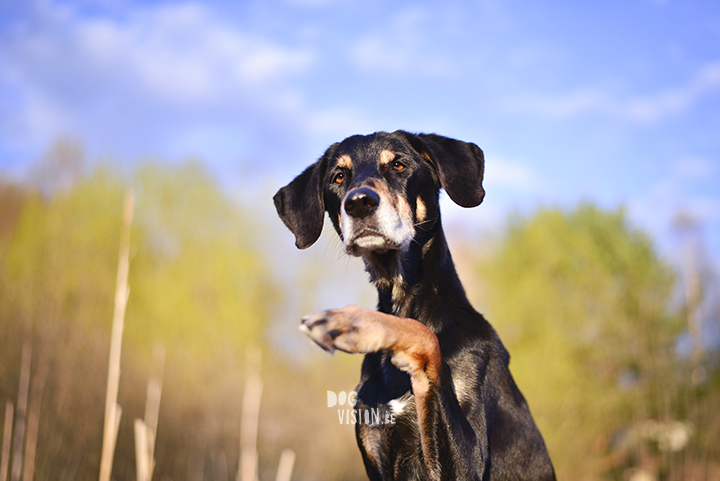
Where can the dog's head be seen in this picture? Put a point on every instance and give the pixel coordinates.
(380, 190)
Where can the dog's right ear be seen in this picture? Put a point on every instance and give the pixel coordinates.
(300, 204)
(460, 165)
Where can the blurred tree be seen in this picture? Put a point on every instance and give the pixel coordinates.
(62, 165)
(197, 284)
(57, 275)
(198, 278)
(12, 198)
(580, 300)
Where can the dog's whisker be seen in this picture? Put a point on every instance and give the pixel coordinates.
(427, 221)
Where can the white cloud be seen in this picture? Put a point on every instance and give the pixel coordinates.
(337, 122)
(181, 51)
(503, 173)
(656, 107)
(506, 184)
(401, 45)
(696, 168)
(312, 3)
(640, 108)
(142, 76)
(680, 191)
(569, 104)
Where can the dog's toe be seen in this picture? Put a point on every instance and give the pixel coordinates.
(315, 326)
(349, 329)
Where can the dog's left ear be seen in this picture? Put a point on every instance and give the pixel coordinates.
(460, 165)
(300, 204)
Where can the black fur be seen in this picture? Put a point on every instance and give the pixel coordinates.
(481, 426)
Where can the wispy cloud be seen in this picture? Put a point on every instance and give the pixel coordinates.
(645, 108)
(695, 167)
(689, 186)
(74, 72)
(655, 208)
(508, 174)
(401, 45)
(337, 122)
(656, 107)
(507, 184)
(186, 46)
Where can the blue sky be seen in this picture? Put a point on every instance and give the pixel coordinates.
(613, 102)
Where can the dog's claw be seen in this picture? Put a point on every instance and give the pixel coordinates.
(350, 329)
(320, 337)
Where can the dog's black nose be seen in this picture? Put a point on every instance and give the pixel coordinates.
(361, 202)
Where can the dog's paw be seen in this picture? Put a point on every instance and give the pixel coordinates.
(351, 329)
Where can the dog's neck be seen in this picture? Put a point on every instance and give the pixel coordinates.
(408, 282)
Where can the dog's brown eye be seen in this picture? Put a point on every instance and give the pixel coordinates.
(339, 178)
(397, 165)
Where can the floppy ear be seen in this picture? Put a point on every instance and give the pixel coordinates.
(460, 165)
(300, 204)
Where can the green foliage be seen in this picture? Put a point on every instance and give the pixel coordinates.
(57, 279)
(197, 284)
(196, 279)
(580, 300)
(59, 248)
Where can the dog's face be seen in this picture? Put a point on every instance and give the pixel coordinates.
(380, 190)
(377, 191)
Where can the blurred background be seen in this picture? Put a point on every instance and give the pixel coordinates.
(595, 253)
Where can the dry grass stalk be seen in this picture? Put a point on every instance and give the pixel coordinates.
(220, 466)
(141, 451)
(7, 439)
(21, 414)
(285, 467)
(250, 413)
(112, 409)
(33, 423)
(146, 430)
(154, 393)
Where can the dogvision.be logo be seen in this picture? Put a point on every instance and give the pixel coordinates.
(350, 415)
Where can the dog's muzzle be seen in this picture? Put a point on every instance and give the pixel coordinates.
(372, 223)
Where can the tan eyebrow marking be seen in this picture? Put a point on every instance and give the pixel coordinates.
(427, 156)
(386, 156)
(344, 161)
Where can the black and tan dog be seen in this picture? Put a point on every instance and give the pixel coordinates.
(431, 360)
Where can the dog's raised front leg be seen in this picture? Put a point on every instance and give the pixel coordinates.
(415, 350)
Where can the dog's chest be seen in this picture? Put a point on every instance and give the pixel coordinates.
(385, 431)
(397, 406)
(388, 395)
(387, 428)
(399, 411)
(386, 413)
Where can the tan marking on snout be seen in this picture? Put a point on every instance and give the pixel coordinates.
(381, 188)
(340, 220)
(420, 210)
(345, 162)
(403, 208)
(386, 157)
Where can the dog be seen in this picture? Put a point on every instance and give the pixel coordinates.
(431, 361)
